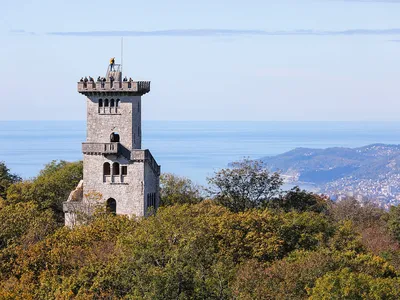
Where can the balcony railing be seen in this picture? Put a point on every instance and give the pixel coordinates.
(101, 148)
(105, 149)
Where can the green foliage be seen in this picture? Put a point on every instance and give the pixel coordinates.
(24, 223)
(178, 190)
(290, 245)
(6, 179)
(50, 188)
(394, 222)
(245, 185)
(300, 200)
(345, 284)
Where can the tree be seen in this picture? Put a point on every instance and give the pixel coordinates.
(24, 223)
(394, 222)
(51, 188)
(179, 190)
(245, 185)
(300, 200)
(363, 215)
(6, 179)
(345, 284)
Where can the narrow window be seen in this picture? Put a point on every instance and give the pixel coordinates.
(116, 105)
(124, 170)
(100, 105)
(115, 169)
(105, 102)
(106, 169)
(111, 206)
(112, 102)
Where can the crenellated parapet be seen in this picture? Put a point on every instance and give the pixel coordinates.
(117, 87)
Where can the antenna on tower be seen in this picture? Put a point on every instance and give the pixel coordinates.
(122, 52)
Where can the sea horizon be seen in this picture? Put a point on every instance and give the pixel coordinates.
(194, 149)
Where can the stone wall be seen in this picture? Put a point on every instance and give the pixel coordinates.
(126, 121)
(128, 191)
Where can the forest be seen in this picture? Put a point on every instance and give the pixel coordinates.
(242, 237)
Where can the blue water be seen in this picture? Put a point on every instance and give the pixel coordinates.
(191, 149)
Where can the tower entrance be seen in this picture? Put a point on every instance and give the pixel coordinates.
(111, 206)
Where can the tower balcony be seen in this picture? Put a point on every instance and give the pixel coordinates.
(105, 149)
(117, 87)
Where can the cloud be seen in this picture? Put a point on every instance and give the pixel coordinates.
(218, 33)
(227, 33)
(21, 32)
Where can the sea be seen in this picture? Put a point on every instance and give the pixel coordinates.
(193, 149)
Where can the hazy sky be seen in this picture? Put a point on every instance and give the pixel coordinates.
(207, 60)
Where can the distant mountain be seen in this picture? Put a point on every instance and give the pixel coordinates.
(320, 166)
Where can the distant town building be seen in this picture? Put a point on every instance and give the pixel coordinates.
(117, 173)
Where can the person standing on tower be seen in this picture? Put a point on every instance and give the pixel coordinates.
(112, 62)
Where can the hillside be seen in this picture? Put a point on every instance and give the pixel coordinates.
(339, 170)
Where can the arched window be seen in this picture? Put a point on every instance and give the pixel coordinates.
(112, 103)
(106, 169)
(100, 105)
(105, 102)
(111, 206)
(114, 137)
(116, 105)
(115, 168)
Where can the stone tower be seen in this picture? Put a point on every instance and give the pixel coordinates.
(117, 173)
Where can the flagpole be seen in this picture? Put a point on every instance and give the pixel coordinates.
(122, 52)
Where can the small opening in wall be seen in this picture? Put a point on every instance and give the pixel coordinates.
(112, 102)
(106, 102)
(114, 137)
(111, 206)
(124, 170)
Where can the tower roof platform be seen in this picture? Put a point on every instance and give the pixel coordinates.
(113, 84)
